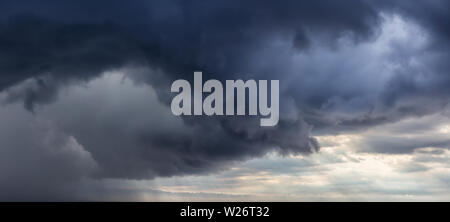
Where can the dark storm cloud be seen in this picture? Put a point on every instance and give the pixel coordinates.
(54, 54)
(76, 40)
(211, 36)
(49, 45)
(132, 135)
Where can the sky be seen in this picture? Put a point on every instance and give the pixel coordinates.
(85, 100)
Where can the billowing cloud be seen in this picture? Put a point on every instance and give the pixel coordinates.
(94, 80)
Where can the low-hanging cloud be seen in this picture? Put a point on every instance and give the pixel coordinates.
(338, 71)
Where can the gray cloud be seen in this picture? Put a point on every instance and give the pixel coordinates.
(125, 132)
(401, 144)
(37, 161)
(327, 55)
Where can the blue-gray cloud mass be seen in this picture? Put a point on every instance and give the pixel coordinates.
(330, 82)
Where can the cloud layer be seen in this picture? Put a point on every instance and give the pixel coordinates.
(85, 86)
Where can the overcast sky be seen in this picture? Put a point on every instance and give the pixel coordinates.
(85, 100)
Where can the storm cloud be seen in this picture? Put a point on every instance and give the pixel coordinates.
(93, 79)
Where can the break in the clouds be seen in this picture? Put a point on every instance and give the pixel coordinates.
(85, 90)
